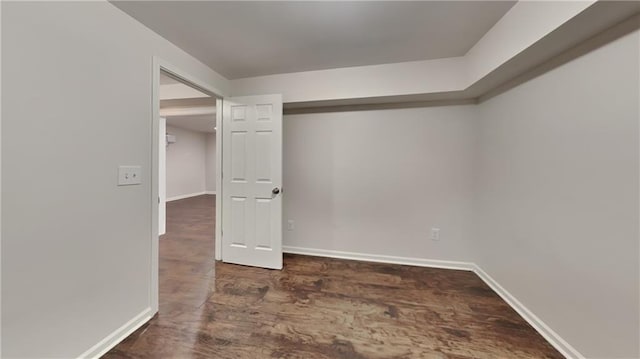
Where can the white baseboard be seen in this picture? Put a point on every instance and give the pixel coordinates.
(551, 336)
(118, 335)
(210, 192)
(419, 262)
(183, 196)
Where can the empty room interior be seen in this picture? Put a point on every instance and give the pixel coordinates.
(320, 179)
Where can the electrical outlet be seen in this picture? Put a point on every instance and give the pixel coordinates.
(435, 234)
(291, 225)
(129, 175)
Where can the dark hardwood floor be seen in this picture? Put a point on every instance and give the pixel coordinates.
(317, 307)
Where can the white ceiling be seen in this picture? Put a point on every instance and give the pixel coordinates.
(244, 39)
(198, 123)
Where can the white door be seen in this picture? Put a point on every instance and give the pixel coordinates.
(162, 176)
(252, 180)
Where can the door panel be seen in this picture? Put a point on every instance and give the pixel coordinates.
(252, 177)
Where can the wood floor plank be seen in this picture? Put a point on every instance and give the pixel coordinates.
(317, 307)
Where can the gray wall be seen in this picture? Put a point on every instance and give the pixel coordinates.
(77, 103)
(186, 163)
(557, 198)
(375, 182)
(210, 166)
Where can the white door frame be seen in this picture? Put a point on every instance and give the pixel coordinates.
(162, 176)
(158, 65)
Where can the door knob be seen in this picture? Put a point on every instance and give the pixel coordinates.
(275, 190)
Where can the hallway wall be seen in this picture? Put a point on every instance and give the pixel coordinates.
(186, 163)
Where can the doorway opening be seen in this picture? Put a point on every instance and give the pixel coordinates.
(185, 184)
(187, 192)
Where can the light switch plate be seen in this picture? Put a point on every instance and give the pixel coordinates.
(435, 234)
(129, 175)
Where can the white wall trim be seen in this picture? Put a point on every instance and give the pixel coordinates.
(188, 195)
(549, 334)
(419, 262)
(180, 91)
(118, 335)
(218, 229)
(209, 192)
(0, 194)
(188, 111)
